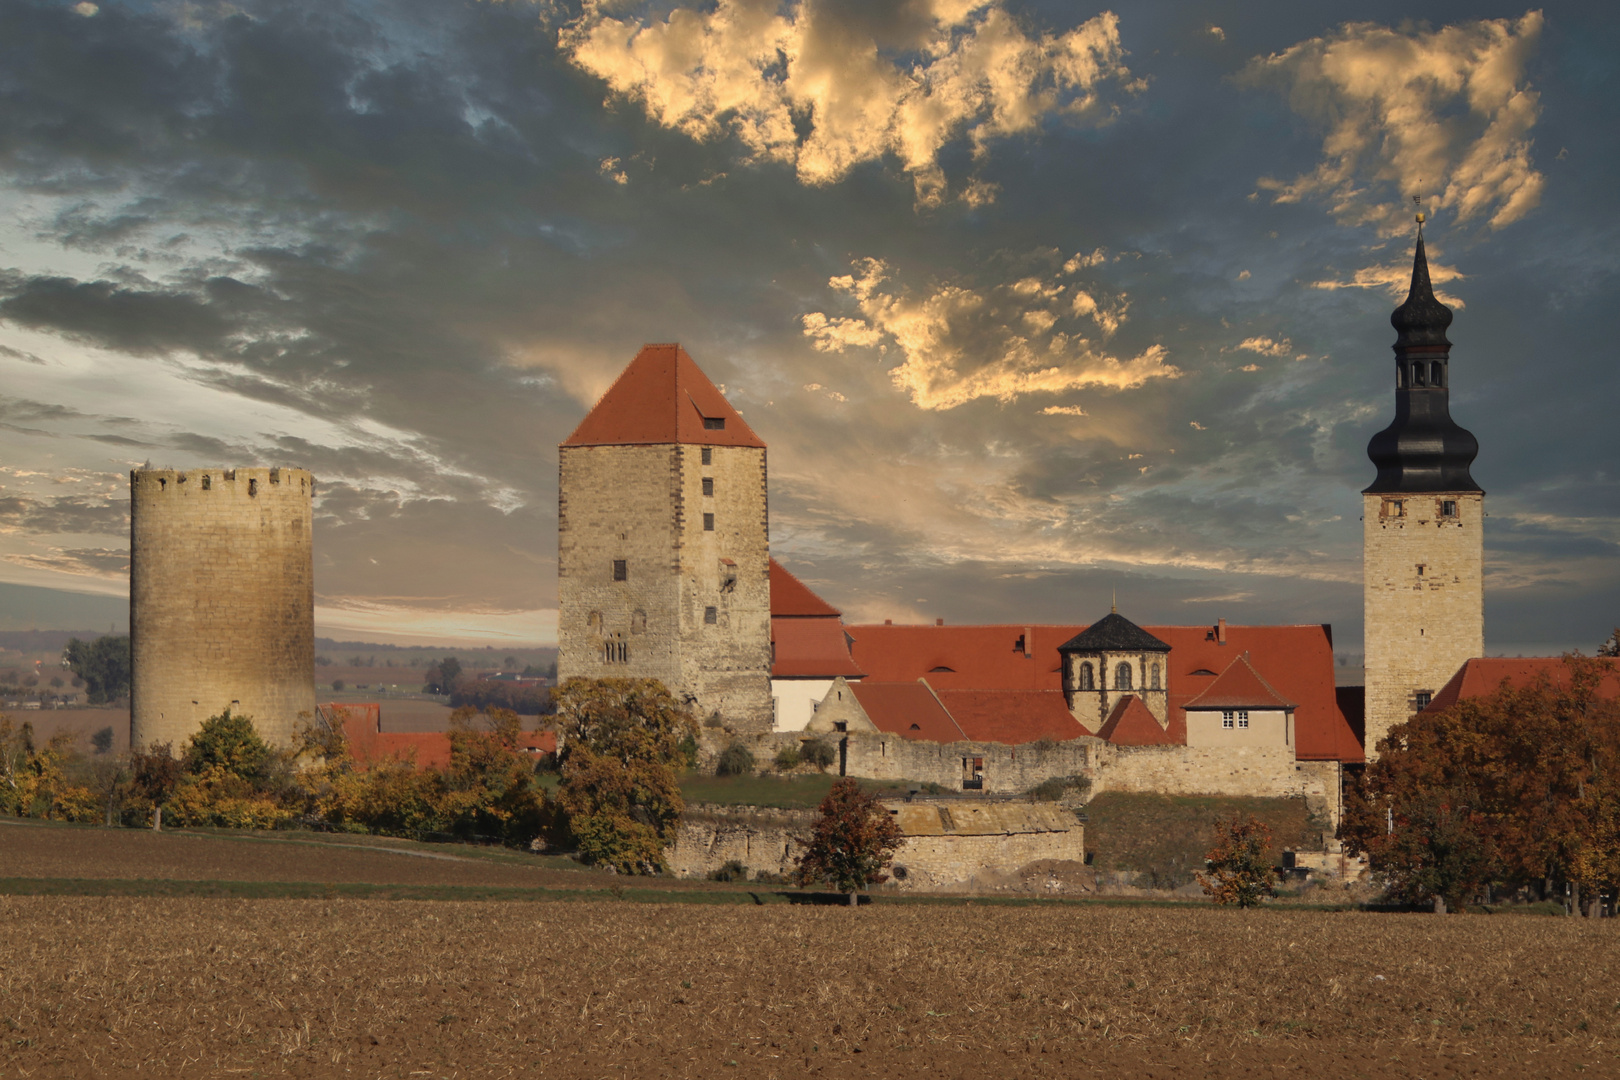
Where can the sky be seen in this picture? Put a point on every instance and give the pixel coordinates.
(1035, 304)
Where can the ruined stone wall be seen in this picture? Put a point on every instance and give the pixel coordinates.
(1267, 772)
(646, 505)
(761, 839)
(221, 600)
(1421, 625)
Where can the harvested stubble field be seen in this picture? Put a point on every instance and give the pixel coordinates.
(116, 985)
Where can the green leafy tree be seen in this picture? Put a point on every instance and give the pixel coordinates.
(852, 840)
(441, 677)
(103, 664)
(735, 760)
(1240, 865)
(621, 740)
(229, 741)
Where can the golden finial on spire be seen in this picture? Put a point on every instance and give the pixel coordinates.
(1417, 200)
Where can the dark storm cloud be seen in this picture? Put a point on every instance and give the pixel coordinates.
(401, 232)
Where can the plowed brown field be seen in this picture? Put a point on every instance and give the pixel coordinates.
(112, 986)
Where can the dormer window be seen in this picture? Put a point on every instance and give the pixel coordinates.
(714, 423)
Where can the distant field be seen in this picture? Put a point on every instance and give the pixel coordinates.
(85, 722)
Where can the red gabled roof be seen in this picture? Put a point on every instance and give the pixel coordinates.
(1297, 661)
(907, 709)
(662, 397)
(790, 597)
(1484, 675)
(1012, 716)
(1130, 723)
(810, 649)
(425, 749)
(1239, 687)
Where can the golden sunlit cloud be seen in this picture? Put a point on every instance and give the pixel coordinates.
(757, 70)
(961, 344)
(1444, 113)
(1396, 279)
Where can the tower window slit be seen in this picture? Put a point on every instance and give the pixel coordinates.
(1437, 374)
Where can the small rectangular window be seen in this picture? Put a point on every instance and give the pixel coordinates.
(708, 456)
(1243, 718)
(1226, 718)
(708, 485)
(1448, 508)
(620, 571)
(1422, 698)
(714, 423)
(711, 616)
(708, 523)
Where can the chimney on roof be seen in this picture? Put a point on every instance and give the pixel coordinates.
(1220, 631)
(888, 622)
(939, 622)
(1029, 642)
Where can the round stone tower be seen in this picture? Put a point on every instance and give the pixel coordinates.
(221, 601)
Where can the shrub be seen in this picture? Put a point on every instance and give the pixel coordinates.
(818, 753)
(1240, 870)
(731, 870)
(102, 740)
(1054, 788)
(735, 760)
(338, 685)
(788, 758)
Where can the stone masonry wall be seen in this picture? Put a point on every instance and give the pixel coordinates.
(761, 839)
(1421, 625)
(221, 601)
(646, 506)
(1268, 772)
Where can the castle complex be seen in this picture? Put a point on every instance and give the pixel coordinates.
(221, 601)
(665, 572)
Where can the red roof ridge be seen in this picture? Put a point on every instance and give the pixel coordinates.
(791, 597)
(643, 406)
(1130, 723)
(1238, 686)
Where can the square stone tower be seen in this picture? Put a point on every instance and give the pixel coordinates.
(1423, 523)
(663, 556)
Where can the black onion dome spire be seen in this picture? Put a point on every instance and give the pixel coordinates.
(1423, 449)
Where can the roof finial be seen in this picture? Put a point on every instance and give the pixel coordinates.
(1113, 608)
(1417, 200)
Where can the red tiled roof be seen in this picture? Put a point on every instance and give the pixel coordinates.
(791, 597)
(1484, 675)
(1296, 660)
(1131, 724)
(662, 397)
(907, 709)
(1012, 716)
(1240, 687)
(810, 648)
(426, 749)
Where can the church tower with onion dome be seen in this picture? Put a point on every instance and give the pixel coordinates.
(1423, 526)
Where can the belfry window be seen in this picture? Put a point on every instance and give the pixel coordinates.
(1122, 676)
(1418, 374)
(1437, 374)
(1086, 677)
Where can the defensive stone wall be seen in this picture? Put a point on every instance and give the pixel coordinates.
(221, 600)
(1424, 599)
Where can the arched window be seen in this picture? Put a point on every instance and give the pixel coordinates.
(1087, 678)
(615, 650)
(1400, 376)
(1122, 676)
(594, 622)
(638, 622)
(1154, 674)
(1437, 374)
(1418, 373)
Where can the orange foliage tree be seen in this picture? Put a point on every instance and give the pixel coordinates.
(1518, 788)
(852, 840)
(1240, 866)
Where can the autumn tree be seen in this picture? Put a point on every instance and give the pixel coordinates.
(1517, 788)
(154, 773)
(852, 840)
(620, 741)
(1240, 864)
